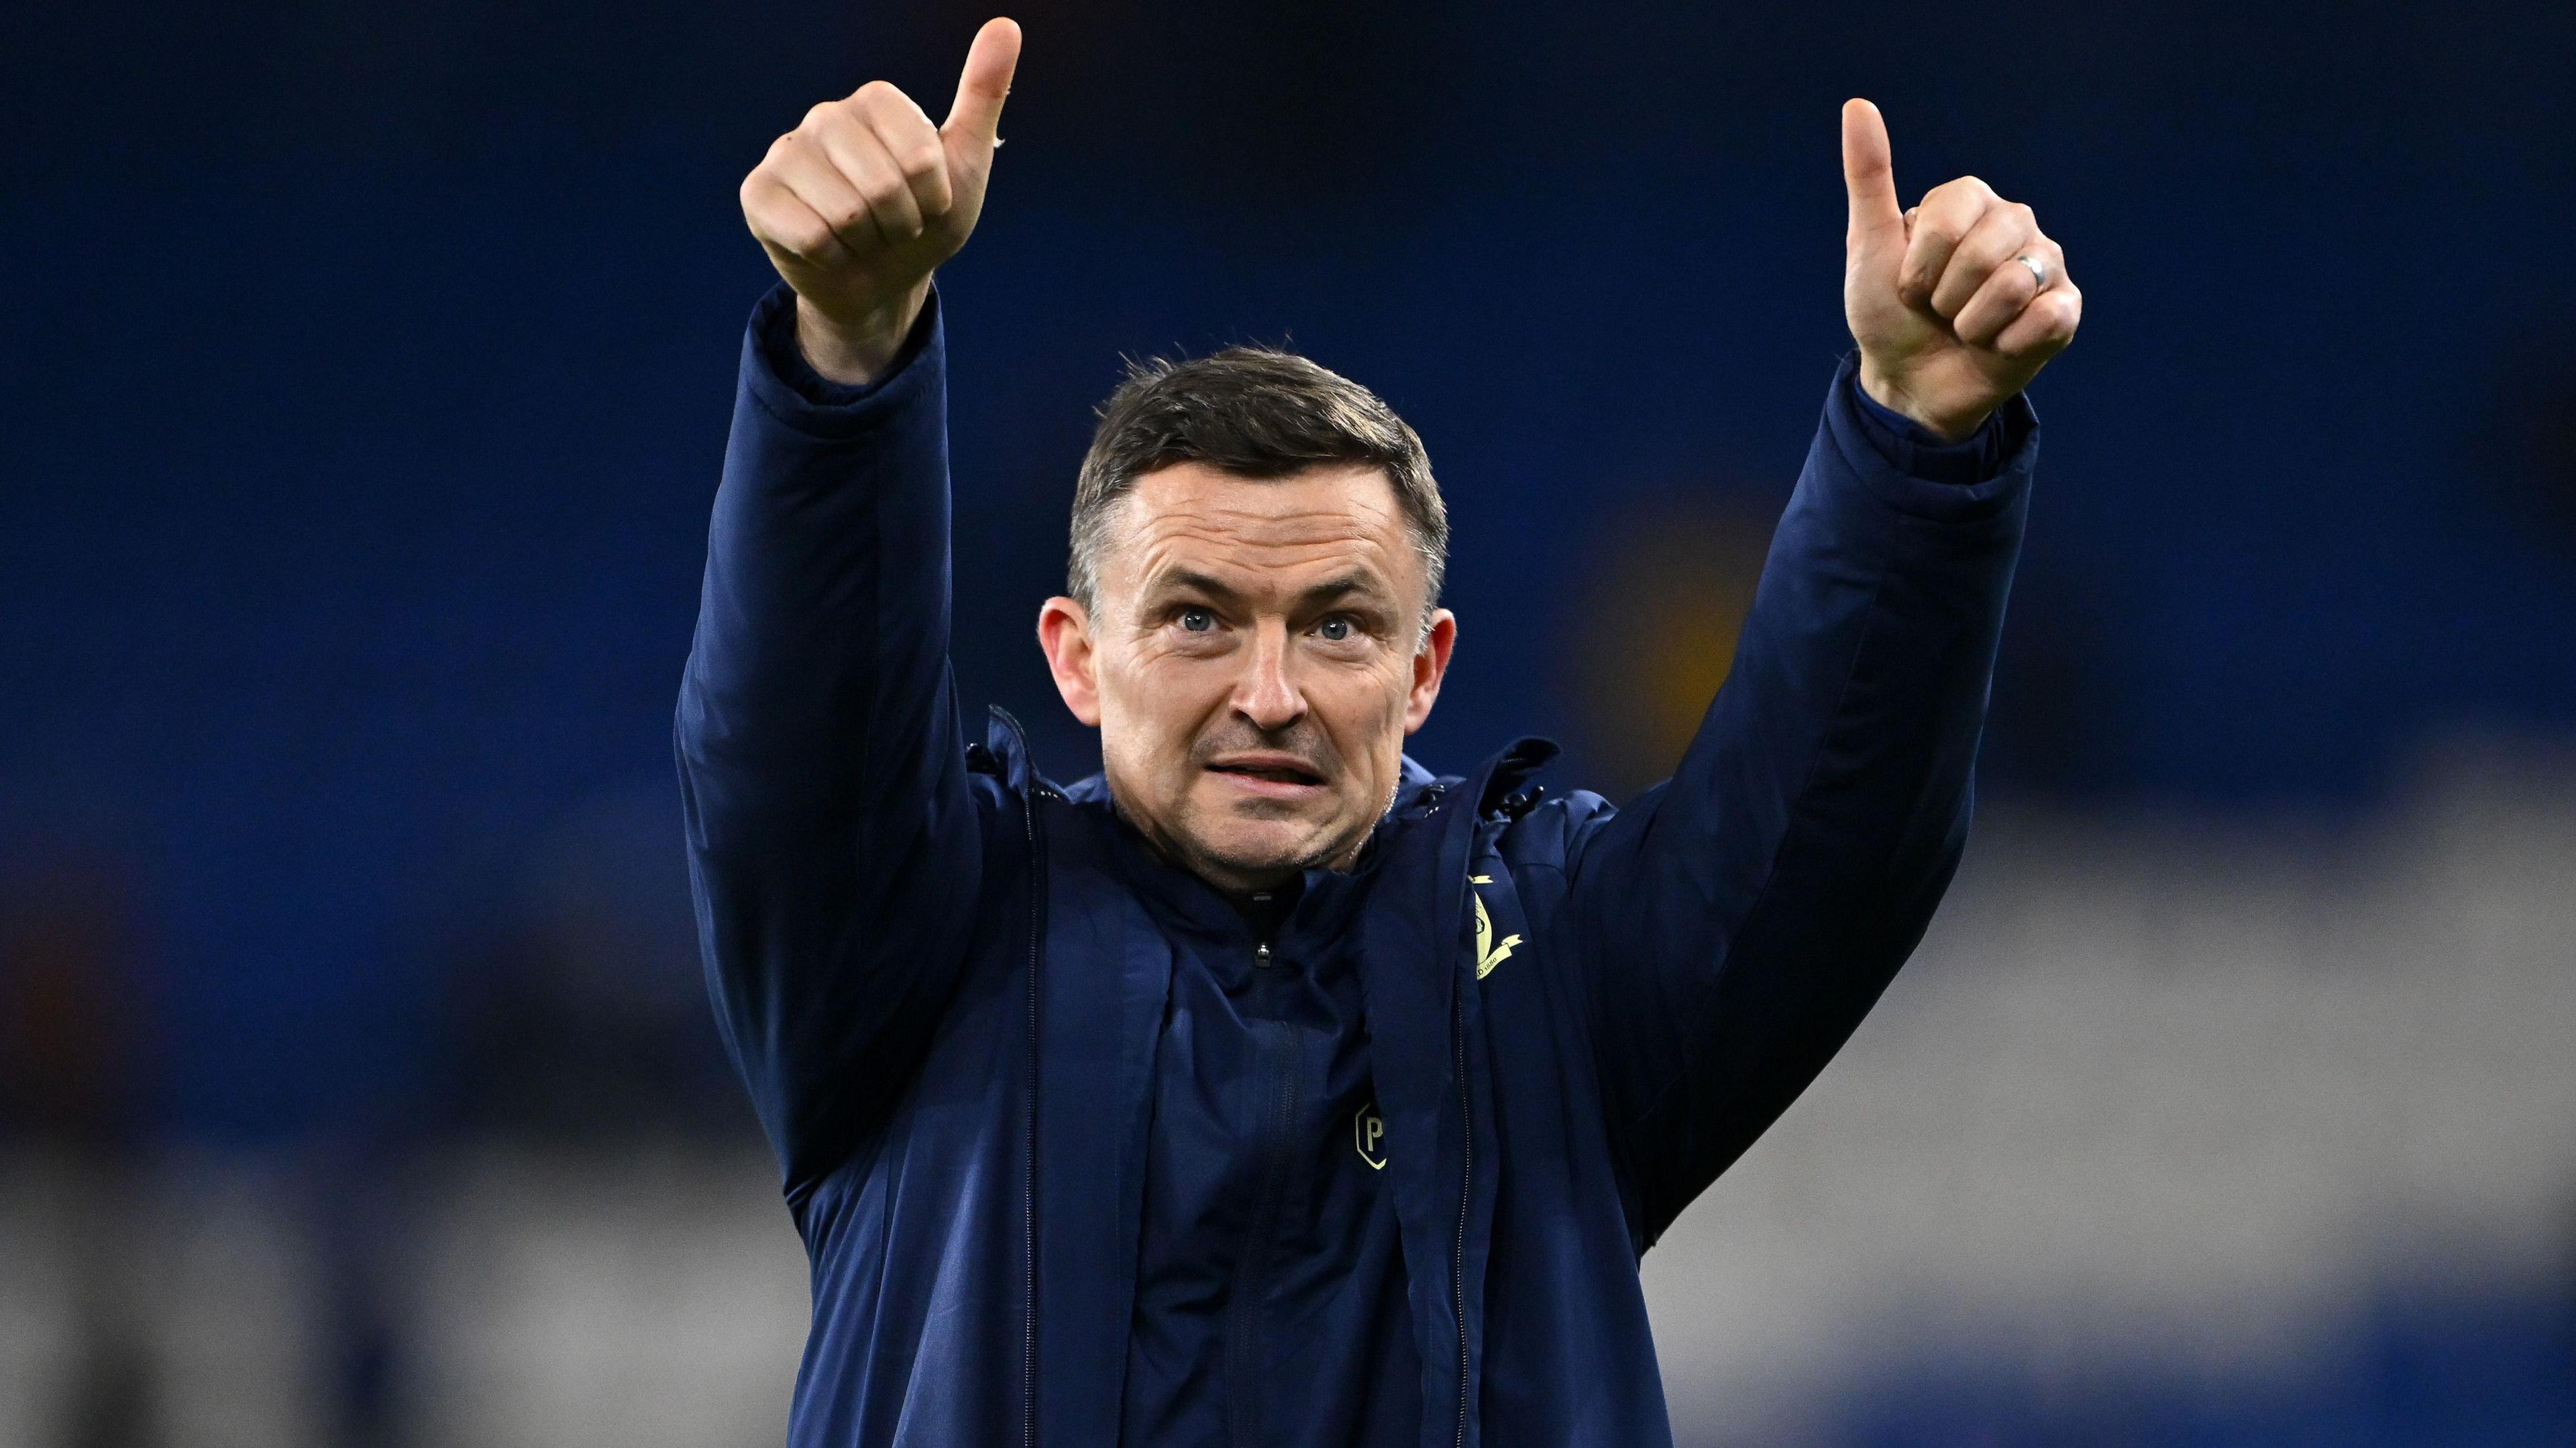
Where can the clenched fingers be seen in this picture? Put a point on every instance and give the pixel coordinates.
(1934, 230)
(871, 168)
(800, 163)
(2003, 231)
(782, 219)
(2045, 326)
(851, 145)
(911, 142)
(2007, 286)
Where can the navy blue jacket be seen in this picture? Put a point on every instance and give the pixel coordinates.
(946, 1001)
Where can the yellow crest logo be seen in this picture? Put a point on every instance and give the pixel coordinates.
(1488, 954)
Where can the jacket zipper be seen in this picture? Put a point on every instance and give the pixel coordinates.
(1029, 1170)
(1466, 1190)
(1246, 1425)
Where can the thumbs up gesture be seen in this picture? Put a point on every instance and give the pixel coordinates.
(865, 198)
(1957, 303)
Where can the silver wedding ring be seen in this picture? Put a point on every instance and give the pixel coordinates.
(2038, 268)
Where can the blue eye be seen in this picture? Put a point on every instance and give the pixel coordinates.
(1335, 628)
(1197, 620)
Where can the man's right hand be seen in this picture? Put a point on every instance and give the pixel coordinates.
(859, 204)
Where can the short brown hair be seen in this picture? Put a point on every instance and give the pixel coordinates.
(1256, 413)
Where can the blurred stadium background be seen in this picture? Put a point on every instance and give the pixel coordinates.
(363, 378)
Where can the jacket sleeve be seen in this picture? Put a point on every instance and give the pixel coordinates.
(834, 845)
(1732, 926)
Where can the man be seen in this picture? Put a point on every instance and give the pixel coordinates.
(1263, 1089)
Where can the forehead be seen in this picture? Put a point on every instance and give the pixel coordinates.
(1261, 534)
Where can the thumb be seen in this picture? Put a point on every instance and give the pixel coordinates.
(1869, 172)
(976, 117)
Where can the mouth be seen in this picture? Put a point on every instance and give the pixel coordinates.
(1269, 776)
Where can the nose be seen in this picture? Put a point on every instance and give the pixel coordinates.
(1266, 695)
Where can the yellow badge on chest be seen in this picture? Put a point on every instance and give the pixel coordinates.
(1488, 954)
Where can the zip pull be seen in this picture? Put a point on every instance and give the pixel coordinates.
(1261, 955)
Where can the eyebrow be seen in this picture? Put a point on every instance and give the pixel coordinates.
(1186, 579)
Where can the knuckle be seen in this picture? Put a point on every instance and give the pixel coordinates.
(924, 157)
(868, 163)
(896, 223)
(897, 115)
(888, 106)
(826, 120)
(851, 165)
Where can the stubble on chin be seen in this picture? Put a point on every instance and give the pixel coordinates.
(1193, 850)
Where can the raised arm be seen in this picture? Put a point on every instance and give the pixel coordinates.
(833, 840)
(1734, 924)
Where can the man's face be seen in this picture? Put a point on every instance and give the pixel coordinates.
(1253, 660)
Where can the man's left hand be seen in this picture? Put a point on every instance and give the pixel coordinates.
(1957, 303)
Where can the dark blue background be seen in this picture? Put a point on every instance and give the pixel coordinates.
(366, 375)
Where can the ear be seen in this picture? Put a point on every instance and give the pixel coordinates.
(1064, 636)
(1430, 665)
